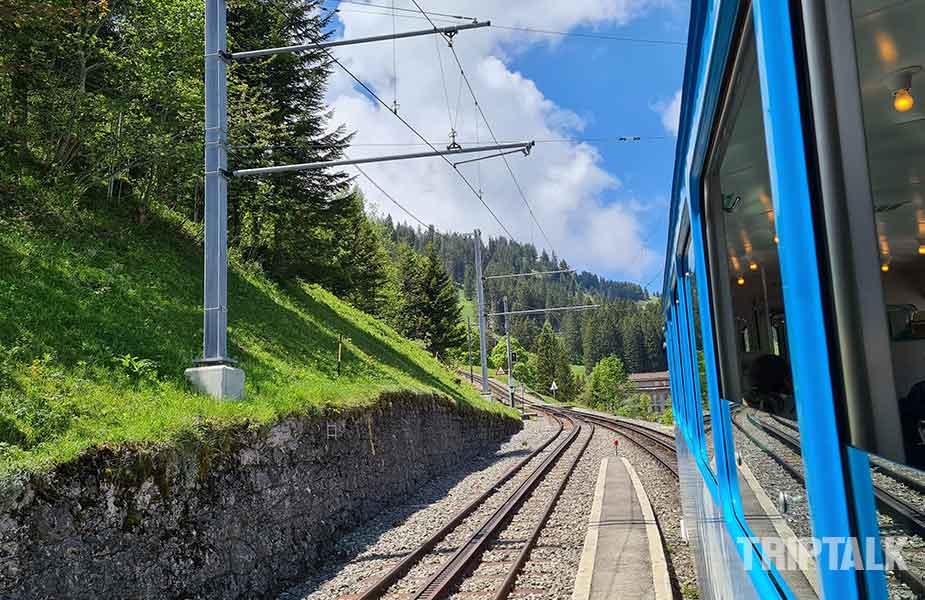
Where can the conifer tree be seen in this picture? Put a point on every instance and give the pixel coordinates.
(409, 318)
(440, 310)
(360, 274)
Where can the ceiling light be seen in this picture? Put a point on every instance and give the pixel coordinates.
(922, 249)
(903, 100)
(753, 266)
(740, 280)
(885, 267)
(900, 85)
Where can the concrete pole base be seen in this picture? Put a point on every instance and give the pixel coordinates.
(219, 381)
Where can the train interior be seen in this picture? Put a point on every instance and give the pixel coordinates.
(891, 55)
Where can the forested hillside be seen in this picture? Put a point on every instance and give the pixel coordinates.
(102, 133)
(629, 324)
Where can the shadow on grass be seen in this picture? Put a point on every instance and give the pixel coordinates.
(110, 288)
(370, 344)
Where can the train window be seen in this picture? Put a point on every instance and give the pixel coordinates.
(700, 382)
(890, 58)
(747, 294)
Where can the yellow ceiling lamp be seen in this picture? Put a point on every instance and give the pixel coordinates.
(885, 257)
(740, 280)
(900, 84)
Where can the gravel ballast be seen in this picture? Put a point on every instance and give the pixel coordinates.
(368, 551)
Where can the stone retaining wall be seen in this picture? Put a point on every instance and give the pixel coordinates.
(240, 516)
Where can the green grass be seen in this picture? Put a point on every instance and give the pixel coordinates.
(468, 310)
(99, 317)
(579, 370)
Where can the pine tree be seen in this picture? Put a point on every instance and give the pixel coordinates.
(409, 317)
(441, 311)
(633, 350)
(551, 363)
(278, 115)
(360, 276)
(571, 336)
(545, 359)
(565, 378)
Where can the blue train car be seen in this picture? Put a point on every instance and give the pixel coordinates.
(794, 297)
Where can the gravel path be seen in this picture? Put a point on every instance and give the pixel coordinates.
(374, 546)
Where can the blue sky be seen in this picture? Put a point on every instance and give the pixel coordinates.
(602, 206)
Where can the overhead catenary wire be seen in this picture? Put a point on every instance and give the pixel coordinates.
(475, 99)
(372, 93)
(390, 197)
(445, 18)
(579, 140)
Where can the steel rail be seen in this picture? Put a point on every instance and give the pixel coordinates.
(644, 440)
(891, 472)
(508, 584)
(440, 583)
(632, 431)
(895, 507)
(379, 587)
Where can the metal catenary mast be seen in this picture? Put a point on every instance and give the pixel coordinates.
(215, 372)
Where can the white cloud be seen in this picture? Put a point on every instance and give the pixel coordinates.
(575, 200)
(670, 112)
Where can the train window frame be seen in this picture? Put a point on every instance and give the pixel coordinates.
(695, 324)
(744, 65)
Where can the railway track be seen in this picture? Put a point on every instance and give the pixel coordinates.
(656, 443)
(452, 571)
(908, 516)
(878, 464)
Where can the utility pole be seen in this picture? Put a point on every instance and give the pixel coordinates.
(510, 365)
(480, 293)
(214, 372)
(469, 342)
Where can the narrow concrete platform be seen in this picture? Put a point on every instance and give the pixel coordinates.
(623, 555)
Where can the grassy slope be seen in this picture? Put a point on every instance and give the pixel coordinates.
(468, 308)
(75, 298)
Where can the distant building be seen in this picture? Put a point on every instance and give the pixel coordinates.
(655, 385)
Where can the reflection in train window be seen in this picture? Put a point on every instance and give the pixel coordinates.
(747, 294)
(890, 55)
